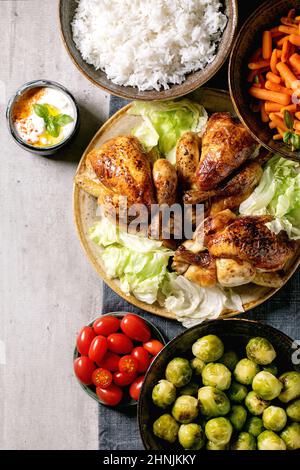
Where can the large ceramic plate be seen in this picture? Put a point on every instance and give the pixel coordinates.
(85, 206)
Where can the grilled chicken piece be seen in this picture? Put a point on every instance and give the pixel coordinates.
(239, 186)
(248, 238)
(165, 181)
(203, 275)
(272, 279)
(226, 145)
(232, 273)
(187, 158)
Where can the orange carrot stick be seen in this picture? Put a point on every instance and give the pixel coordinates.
(278, 121)
(272, 77)
(272, 125)
(295, 39)
(285, 50)
(297, 125)
(287, 21)
(280, 89)
(277, 137)
(279, 53)
(267, 95)
(286, 74)
(273, 62)
(288, 29)
(295, 62)
(271, 107)
(263, 114)
(258, 65)
(281, 41)
(292, 108)
(297, 115)
(267, 45)
(280, 131)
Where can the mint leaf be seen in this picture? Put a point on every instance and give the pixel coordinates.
(41, 110)
(63, 119)
(52, 127)
(288, 120)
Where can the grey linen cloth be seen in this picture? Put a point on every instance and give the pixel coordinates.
(118, 430)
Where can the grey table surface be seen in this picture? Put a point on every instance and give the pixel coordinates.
(48, 290)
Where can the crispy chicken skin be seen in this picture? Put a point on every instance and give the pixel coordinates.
(123, 169)
(165, 181)
(226, 145)
(249, 239)
(187, 158)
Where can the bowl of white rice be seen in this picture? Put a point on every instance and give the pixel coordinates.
(148, 49)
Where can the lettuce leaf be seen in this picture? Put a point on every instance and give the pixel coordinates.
(165, 121)
(278, 194)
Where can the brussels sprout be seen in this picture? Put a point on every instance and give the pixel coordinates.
(255, 404)
(261, 351)
(209, 348)
(272, 368)
(245, 371)
(218, 430)
(291, 386)
(163, 394)
(229, 359)
(185, 409)
(274, 418)
(266, 385)
(190, 389)
(254, 426)
(291, 436)
(268, 440)
(179, 372)
(293, 411)
(238, 416)
(213, 402)
(244, 441)
(165, 427)
(191, 436)
(216, 375)
(197, 365)
(212, 446)
(237, 392)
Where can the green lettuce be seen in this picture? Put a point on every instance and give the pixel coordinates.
(278, 194)
(165, 121)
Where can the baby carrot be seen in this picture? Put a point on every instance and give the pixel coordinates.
(267, 45)
(277, 137)
(295, 62)
(280, 131)
(292, 108)
(278, 121)
(273, 78)
(271, 107)
(285, 50)
(263, 114)
(280, 89)
(286, 74)
(267, 95)
(272, 125)
(258, 65)
(288, 29)
(297, 115)
(287, 21)
(297, 125)
(274, 61)
(281, 41)
(295, 39)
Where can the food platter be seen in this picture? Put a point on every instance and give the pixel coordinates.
(85, 207)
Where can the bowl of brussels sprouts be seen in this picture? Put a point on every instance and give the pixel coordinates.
(227, 384)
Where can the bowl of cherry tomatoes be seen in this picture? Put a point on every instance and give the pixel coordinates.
(112, 355)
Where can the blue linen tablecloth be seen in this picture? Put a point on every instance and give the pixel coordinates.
(118, 430)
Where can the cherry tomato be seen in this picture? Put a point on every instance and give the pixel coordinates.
(102, 378)
(98, 349)
(111, 395)
(143, 358)
(119, 343)
(84, 339)
(135, 387)
(106, 325)
(128, 364)
(110, 361)
(135, 327)
(84, 368)
(122, 379)
(153, 346)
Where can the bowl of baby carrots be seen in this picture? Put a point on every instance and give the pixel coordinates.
(264, 76)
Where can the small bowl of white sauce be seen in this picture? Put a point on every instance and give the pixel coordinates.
(42, 117)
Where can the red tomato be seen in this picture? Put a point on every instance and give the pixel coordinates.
(135, 387)
(119, 343)
(98, 349)
(110, 361)
(111, 395)
(122, 379)
(106, 325)
(84, 368)
(135, 327)
(84, 339)
(128, 364)
(143, 358)
(153, 346)
(102, 378)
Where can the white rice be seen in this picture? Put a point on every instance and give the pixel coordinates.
(148, 43)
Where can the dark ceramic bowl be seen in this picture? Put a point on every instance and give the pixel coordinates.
(235, 333)
(248, 40)
(127, 401)
(193, 80)
(44, 151)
